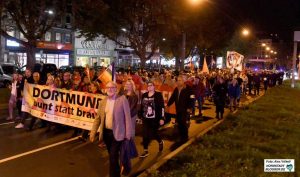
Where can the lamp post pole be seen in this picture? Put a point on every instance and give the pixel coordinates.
(183, 50)
(294, 64)
(296, 39)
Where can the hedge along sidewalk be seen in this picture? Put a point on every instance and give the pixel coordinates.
(165, 159)
(4, 98)
(266, 129)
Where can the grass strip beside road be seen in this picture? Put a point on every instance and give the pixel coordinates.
(266, 129)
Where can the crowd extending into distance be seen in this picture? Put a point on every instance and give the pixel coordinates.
(124, 101)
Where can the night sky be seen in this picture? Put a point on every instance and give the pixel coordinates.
(264, 17)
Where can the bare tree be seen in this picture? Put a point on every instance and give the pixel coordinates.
(32, 18)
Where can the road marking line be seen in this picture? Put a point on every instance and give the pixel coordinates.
(6, 123)
(37, 150)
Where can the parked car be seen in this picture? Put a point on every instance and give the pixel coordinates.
(71, 69)
(6, 72)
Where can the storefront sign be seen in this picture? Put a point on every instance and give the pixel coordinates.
(55, 46)
(89, 52)
(98, 43)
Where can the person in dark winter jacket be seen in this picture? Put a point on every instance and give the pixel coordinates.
(256, 81)
(220, 92)
(233, 93)
(182, 96)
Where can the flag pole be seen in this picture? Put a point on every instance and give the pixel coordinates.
(113, 71)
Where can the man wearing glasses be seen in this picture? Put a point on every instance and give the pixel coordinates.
(114, 120)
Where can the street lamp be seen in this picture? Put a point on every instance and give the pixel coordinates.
(268, 48)
(263, 45)
(195, 2)
(245, 32)
(50, 12)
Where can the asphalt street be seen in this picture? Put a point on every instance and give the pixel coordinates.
(39, 153)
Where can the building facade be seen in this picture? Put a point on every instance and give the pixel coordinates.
(97, 52)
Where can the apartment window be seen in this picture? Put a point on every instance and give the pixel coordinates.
(68, 19)
(67, 38)
(48, 36)
(57, 37)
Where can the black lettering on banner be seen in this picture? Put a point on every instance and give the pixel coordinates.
(90, 102)
(82, 100)
(36, 92)
(46, 94)
(62, 96)
(70, 98)
(67, 97)
(55, 95)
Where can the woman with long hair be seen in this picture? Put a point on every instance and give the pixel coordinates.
(129, 92)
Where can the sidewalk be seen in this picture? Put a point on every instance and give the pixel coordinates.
(197, 129)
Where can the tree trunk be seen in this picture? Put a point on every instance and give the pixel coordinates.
(30, 51)
(143, 62)
(177, 63)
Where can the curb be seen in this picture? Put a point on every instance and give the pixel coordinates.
(189, 142)
(3, 106)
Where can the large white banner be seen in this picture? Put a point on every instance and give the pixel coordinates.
(234, 60)
(77, 109)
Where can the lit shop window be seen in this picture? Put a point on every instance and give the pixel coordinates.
(58, 37)
(67, 38)
(48, 36)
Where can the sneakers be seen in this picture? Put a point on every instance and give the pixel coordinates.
(20, 125)
(9, 118)
(145, 154)
(161, 146)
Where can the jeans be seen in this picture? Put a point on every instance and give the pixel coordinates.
(181, 119)
(11, 105)
(199, 100)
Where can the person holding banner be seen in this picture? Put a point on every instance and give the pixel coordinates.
(152, 113)
(67, 83)
(183, 99)
(114, 123)
(36, 80)
(27, 79)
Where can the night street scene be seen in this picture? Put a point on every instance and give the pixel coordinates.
(149, 88)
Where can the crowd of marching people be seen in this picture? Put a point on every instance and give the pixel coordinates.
(125, 102)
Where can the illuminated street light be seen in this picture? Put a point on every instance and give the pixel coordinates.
(275, 53)
(263, 45)
(245, 32)
(50, 12)
(268, 48)
(267, 56)
(123, 29)
(195, 2)
(164, 39)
